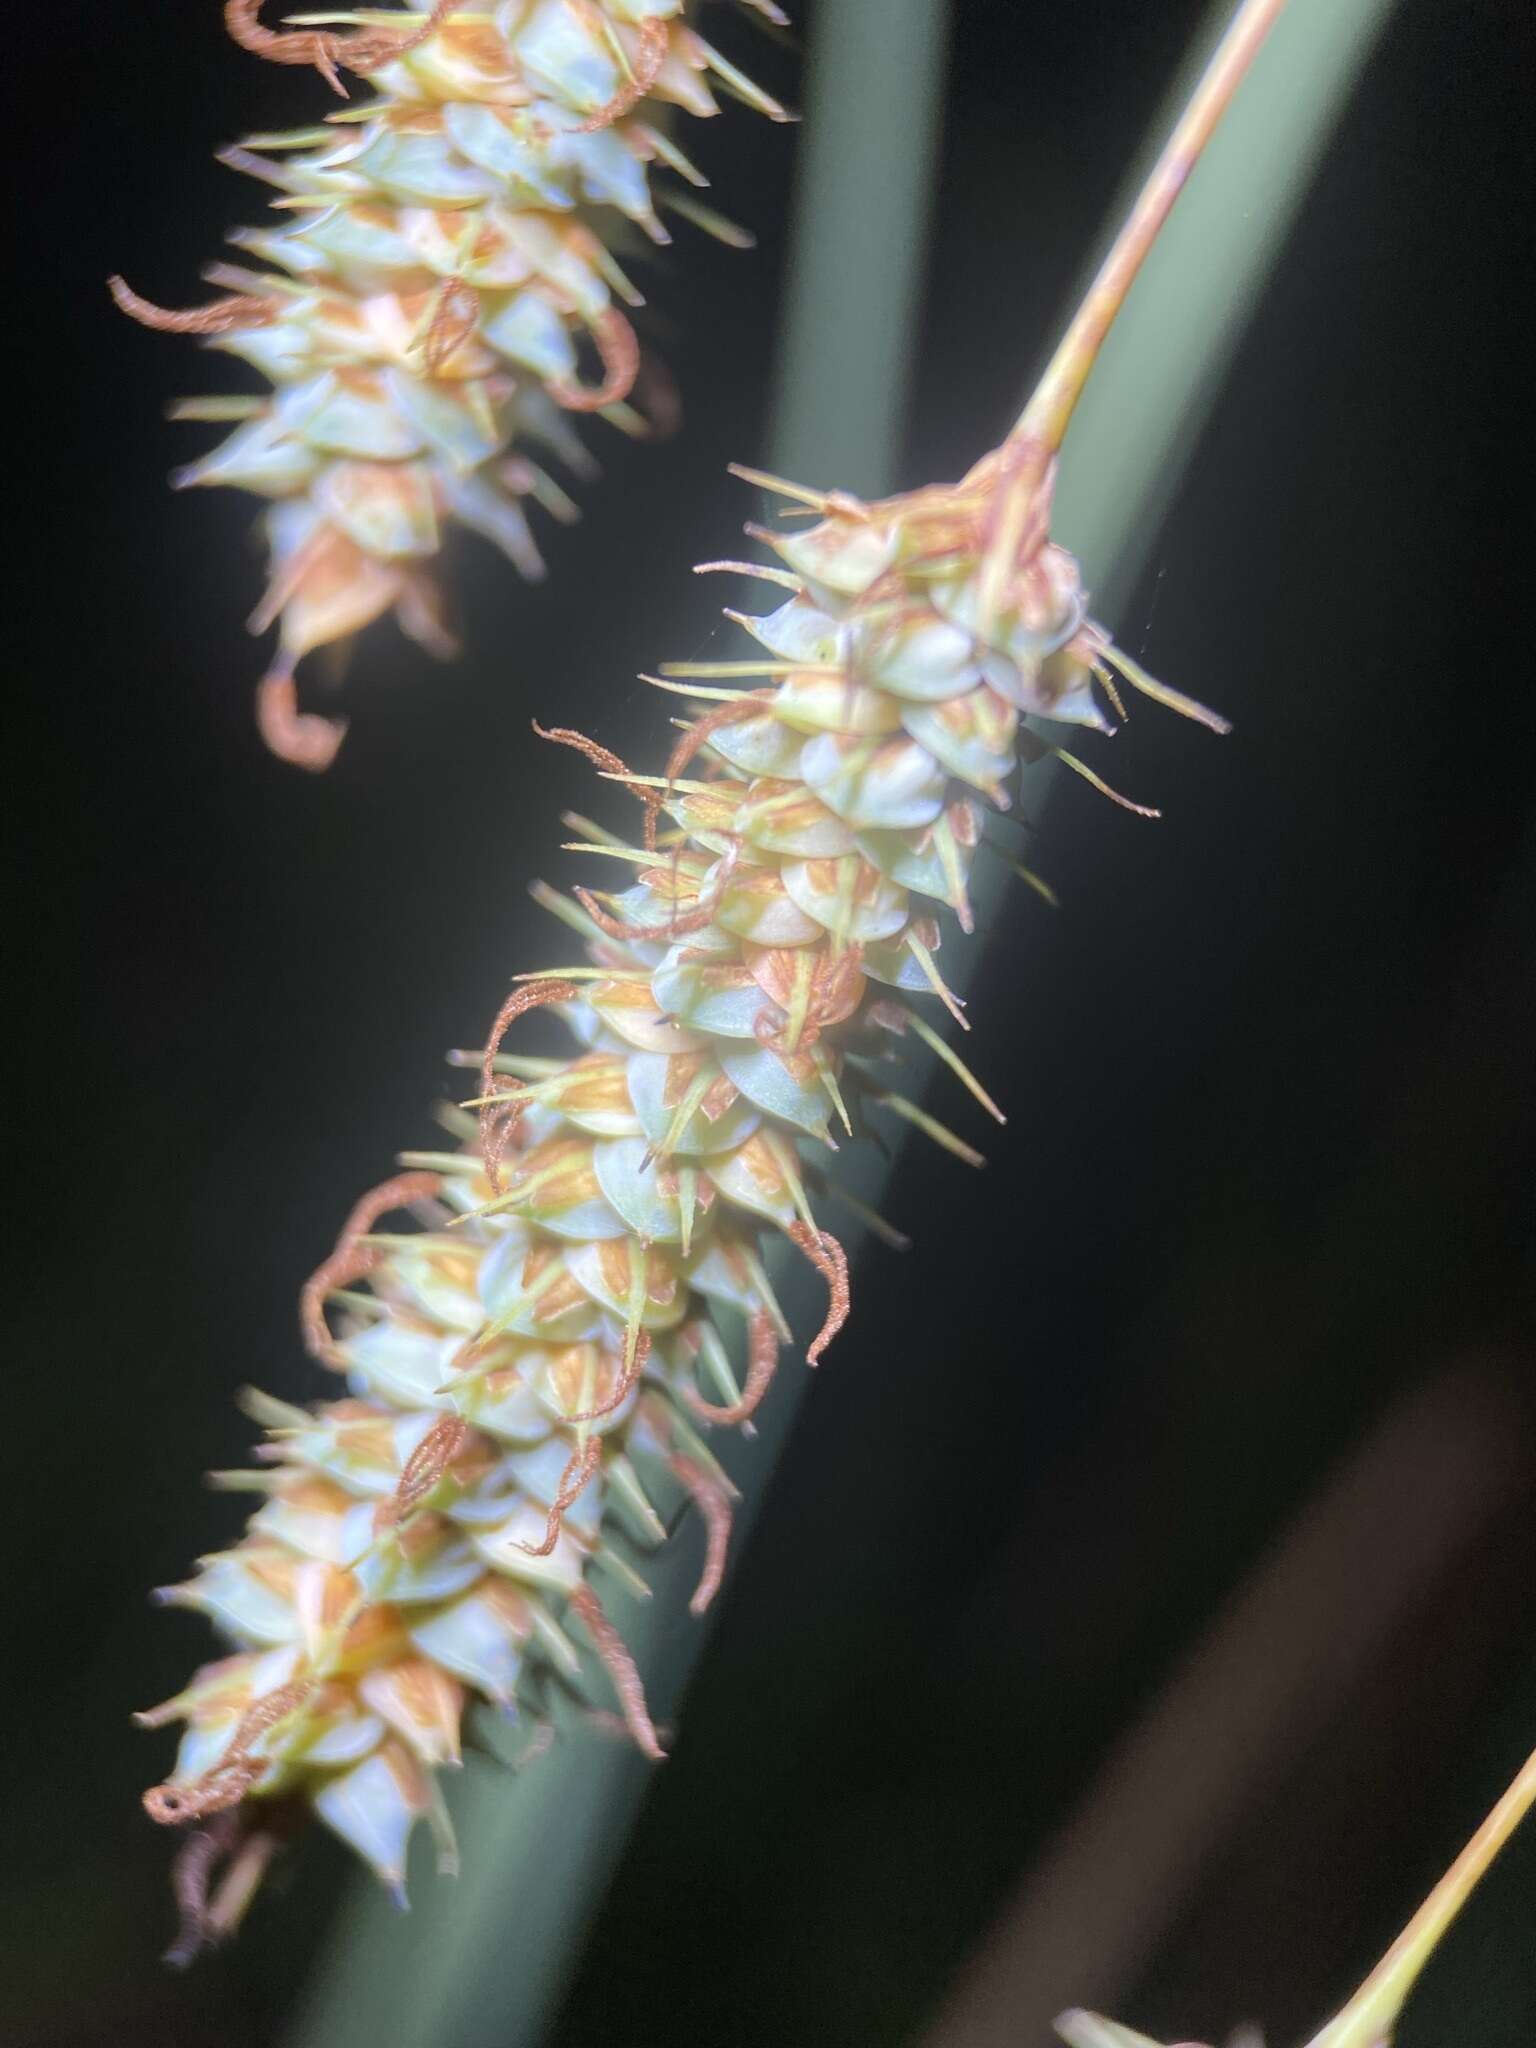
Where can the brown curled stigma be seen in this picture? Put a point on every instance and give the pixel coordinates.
(353, 1261)
(714, 1506)
(620, 354)
(643, 73)
(607, 763)
(620, 1666)
(762, 1364)
(500, 1115)
(366, 49)
(831, 1262)
(422, 1470)
(629, 1379)
(228, 1781)
(504, 1128)
(241, 309)
(453, 322)
(579, 1467)
(301, 738)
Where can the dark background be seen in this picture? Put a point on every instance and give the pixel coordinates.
(1270, 1068)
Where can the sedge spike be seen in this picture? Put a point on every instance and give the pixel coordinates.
(540, 1347)
(557, 1299)
(437, 303)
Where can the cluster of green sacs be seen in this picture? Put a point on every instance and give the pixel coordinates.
(644, 1170)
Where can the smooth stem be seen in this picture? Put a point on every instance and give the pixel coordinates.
(1367, 2020)
(1044, 419)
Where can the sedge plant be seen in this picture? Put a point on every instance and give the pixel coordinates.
(535, 1364)
(532, 1371)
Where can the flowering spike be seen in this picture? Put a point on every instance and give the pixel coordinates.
(423, 303)
(780, 914)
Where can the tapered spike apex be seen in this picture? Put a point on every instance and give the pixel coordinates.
(435, 303)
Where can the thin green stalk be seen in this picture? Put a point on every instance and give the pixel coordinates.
(1368, 2019)
(1045, 418)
